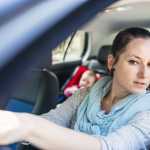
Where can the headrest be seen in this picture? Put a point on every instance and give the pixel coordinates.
(96, 66)
(103, 54)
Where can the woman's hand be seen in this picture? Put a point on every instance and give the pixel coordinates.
(13, 127)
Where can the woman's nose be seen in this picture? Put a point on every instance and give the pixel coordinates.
(143, 71)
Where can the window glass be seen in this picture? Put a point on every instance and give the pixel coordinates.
(71, 49)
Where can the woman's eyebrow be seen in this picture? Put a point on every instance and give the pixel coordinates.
(137, 57)
(134, 56)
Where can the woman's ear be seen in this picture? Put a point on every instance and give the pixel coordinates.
(110, 62)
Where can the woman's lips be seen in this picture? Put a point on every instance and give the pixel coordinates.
(140, 84)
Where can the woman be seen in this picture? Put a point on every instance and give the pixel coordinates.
(113, 114)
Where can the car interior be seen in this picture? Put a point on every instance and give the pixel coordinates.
(30, 79)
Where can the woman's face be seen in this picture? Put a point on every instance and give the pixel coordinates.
(132, 70)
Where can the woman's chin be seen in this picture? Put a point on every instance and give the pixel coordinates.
(138, 91)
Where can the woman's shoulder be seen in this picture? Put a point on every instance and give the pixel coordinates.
(142, 103)
(79, 95)
(146, 96)
(141, 119)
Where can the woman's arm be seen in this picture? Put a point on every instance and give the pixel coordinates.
(42, 133)
(64, 112)
(46, 135)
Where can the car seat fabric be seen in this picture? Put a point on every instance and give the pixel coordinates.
(18, 105)
(73, 80)
(36, 94)
(51, 91)
(103, 53)
(24, 96)
(102, 56)
(76, 76)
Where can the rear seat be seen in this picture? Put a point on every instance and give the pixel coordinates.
(99, 65)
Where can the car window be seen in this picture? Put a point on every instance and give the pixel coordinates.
(71, 49)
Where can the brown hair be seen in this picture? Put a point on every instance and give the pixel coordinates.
(124, 37)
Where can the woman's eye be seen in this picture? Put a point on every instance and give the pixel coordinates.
(148, 64)
(133, 62)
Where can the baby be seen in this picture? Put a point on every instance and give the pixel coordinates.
(87, 79)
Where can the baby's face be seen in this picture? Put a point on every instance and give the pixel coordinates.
(87, 80)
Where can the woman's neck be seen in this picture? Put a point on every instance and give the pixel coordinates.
(117, 92)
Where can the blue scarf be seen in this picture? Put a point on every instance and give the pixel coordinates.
(92, 120)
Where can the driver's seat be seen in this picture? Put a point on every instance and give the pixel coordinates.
(36, 94)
